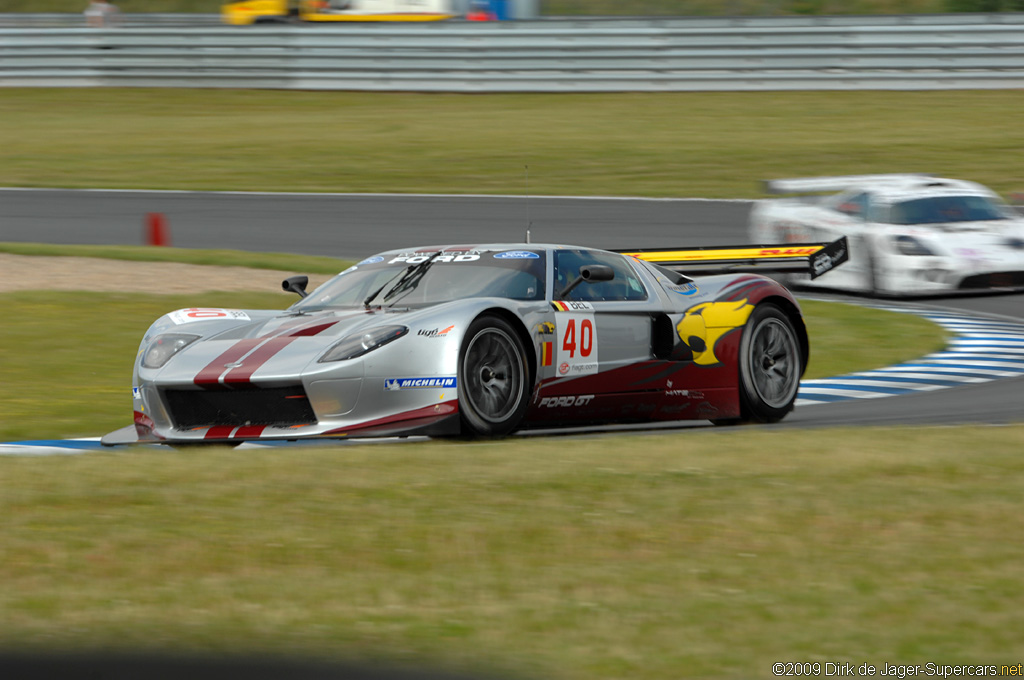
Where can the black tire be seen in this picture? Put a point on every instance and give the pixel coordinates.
(493, 374)
(192, 446)
(870, 270)
(770, 365)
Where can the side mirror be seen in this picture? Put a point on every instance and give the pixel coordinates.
(590, 273)
(296, 284)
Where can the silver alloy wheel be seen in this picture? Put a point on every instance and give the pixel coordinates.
(774, 362)
(494, 375)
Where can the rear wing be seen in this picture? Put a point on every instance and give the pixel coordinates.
(804, 258)
(810, 185)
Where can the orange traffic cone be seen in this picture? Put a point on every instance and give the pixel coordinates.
(156, 230)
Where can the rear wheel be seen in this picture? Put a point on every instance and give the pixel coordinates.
(492, 378)
(770, 365)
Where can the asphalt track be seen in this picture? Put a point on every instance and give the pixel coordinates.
(354, 226)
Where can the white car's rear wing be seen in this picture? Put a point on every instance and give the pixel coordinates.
(801, 185)
(805, 258)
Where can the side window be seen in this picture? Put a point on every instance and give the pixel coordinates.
(856, 205)
(879, 212)
(625, 286)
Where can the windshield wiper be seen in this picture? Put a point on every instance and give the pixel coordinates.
(409, 280)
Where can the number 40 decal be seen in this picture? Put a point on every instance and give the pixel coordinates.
(577, 344)
(586, 341)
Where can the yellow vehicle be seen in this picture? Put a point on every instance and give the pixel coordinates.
(244, 12)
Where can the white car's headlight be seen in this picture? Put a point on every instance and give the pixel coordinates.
(360, 343)
(165, 346)
(908, 245)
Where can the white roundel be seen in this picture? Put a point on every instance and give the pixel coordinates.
(193, 314)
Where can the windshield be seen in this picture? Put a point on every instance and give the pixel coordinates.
(942, 209)
(417, 279)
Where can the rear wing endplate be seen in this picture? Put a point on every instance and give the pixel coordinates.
(804, 258)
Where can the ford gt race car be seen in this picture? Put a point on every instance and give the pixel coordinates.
(909, 234)
(480, 341)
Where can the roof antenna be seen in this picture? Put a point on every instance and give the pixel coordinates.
(529, 224)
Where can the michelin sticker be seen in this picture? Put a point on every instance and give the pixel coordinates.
(397, 384)
(194, 314)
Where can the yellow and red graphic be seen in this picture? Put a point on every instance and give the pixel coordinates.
(546, 352)
(727, 254)
(704, 325)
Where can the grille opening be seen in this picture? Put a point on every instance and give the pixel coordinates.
(993, 280)
(281, 406)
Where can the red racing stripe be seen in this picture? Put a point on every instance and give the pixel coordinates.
(313, 330)
(209, 376)
(242, 375)
(219, 432)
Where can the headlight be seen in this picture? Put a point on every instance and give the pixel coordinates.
(359, 344)
(164, 347)
(908, 245)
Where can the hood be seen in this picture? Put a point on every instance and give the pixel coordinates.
(278, 345)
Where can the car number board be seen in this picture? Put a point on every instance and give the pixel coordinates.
(576, 338)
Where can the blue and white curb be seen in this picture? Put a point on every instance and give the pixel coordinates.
(981, 350)
(50, 447)
(64, 447)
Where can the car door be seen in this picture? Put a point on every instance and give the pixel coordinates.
(600, 326)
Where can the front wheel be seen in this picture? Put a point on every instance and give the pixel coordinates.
(770, 365)
(492, 378)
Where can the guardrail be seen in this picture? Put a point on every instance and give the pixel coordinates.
(568, 55)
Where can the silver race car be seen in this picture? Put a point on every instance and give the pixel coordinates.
(909, 234)
(480, 341)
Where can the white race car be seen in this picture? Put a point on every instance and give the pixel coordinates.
(908, 234)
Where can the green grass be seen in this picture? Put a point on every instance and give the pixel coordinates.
(849, 338)
(309, 264)
(706, 554)
(665, 145)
